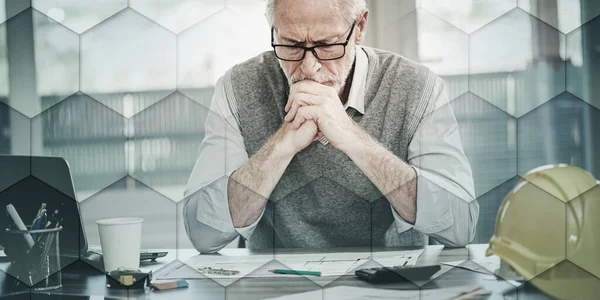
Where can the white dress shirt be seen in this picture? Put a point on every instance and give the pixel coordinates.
(446, 205)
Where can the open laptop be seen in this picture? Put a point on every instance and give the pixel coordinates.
(42, 179)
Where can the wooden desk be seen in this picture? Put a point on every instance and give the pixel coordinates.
(81, 281)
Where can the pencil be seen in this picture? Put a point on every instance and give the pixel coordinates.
(296, 272)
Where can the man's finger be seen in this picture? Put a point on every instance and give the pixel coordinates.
(305, 113)
(312, 87)
(301, 99)
(294, 90)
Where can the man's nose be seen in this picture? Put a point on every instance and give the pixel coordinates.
(310, 64)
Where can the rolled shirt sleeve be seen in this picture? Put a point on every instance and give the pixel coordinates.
(207, 218)
(446, 206)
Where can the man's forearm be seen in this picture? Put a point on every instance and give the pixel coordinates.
(250, 186)
(392, 176)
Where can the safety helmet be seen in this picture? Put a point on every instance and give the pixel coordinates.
(552, 214)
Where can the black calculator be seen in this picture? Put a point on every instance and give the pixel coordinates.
(397, 273)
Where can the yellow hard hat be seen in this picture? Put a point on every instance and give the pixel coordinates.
(548, 231)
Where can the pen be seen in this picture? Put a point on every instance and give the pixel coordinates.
(295, 272)
(40, 221)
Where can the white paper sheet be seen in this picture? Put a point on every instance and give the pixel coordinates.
(484, 266)
(329, 264)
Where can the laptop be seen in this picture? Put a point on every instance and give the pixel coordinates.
(43, 179)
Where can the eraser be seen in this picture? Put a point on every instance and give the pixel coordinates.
(169, 285)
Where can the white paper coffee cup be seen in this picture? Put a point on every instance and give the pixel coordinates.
(120, 239)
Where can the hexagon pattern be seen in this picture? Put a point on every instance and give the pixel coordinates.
(177, 16)
(468, 15)
(163, 143)
(489, 203)
(445, 53)
(513, 74)
(76, 121)
(47, 72)
(130, 198)
(123, 90)
(489, 140)
(243, 287)
(581, 75)
(10, 8)
(559, 126)
(210, 47)
(581, 240)
(14, 139)
(128, 62)
(79, 16)
(565, 15)
(48, 252)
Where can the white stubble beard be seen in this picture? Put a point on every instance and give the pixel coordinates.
(338, 83)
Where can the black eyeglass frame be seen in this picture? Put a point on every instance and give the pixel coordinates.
(311, 49)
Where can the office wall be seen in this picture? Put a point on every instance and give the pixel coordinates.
(121, 89)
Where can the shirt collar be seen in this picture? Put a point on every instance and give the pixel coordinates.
(356, 97)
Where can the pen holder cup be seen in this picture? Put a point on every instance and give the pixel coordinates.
(39, 267)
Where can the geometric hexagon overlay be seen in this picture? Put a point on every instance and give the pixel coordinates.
(130, 198)
(75, 276)
(383, 13)
(241, 262)
(201, 287)
(47, 74)
(90, 136)
(48, 252)
(462, 279)
(563, 15)
(489, 203)
(488, 136)
(508, 71)
(78, 15)
(441, 47)
(19, 166)
(583, 244)
(212, 46)
(176, 16)
(9, 290)
(15, 131)
(530, 230)
(128, 62)
(340, 217)
(10, 8)
(566, 281)
(184, 245)
(467, 15)
(163, 144)
(555, 133)
(584, 58)
(350, 287)
(261, 284)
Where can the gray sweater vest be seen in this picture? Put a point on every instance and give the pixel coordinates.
(323, 199)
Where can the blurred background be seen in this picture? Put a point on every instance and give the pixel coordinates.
(121, 89)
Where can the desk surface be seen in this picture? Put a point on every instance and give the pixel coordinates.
(81, 280)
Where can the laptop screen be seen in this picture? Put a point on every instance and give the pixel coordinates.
(31, 182)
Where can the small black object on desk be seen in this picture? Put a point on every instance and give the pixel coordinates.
(397, 273)
(128, 279)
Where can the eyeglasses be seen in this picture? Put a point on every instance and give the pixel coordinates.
(321, 52)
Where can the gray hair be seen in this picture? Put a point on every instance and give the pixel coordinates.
(349, 9)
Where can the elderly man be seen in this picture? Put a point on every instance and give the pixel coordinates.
(327, 143)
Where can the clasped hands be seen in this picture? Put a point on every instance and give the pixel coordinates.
(311, 101)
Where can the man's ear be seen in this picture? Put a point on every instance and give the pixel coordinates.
(361, 27)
